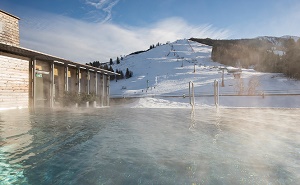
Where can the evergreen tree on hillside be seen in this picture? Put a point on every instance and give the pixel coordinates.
(112, 77)
(121, 75)
(130, 74)
(291, 59)
(111, 69)
(127, 73)
(270, 62)
(111, 61)
(118, 60)
(94, 64)
(258, 53)
(105, 67)
(97, 64)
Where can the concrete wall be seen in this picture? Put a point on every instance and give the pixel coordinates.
(9, 29)
(14, 81)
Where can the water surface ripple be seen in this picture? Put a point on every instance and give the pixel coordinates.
(150, 146)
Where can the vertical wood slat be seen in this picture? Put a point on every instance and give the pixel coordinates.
(34, 83)
(96, 83)
(30, 77)
(78, 80)
(103, 91)
(66, 78)
(52, 89)
(107, 89)
(88, 81)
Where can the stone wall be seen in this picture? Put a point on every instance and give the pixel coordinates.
(9, 29)
(14, 81)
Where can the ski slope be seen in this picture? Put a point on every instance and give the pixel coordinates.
(163, 73)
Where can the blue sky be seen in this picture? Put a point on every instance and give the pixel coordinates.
(89, 30)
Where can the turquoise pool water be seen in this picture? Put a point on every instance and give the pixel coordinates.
(150, 146)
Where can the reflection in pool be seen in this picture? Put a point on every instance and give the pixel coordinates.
(150, 146)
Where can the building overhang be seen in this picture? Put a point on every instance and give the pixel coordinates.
(24, 52)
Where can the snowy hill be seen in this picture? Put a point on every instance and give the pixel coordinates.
(163, 74)
(278, 41)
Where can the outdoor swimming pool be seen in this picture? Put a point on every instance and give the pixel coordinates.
(150, 146)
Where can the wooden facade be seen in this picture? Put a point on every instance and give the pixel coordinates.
(14, 81)
(9, 29)
(33, 79)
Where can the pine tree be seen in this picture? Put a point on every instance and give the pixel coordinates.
(292, 59)
(122, 75)
(127, 75)
(105, 67)
(96, 64)
(130, 74)
(118, 60)
(118, 76)
(111, 61)
(112, 77)
(111, 69)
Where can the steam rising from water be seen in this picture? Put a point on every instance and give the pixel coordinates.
(132, 146)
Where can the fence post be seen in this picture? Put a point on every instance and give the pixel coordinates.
(193, 89)
(190, 92)
(216, 92)
(223, 78)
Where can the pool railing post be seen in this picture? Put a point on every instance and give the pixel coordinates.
(52, 86)
(216, 93)
(193, 91)
(223, 85)
(190, 92)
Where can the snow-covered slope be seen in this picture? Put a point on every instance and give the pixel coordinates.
(278, 41)
(290, 37)
(166, 71)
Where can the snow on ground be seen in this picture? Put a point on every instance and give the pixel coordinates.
(162, 75)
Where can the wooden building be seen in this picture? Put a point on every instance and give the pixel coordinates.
(33, 79)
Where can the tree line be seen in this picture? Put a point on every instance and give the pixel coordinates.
(262, 55)
(108, 67)
(152, 46)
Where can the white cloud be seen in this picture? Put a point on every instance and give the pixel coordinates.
(103, 6)
(82, 41)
